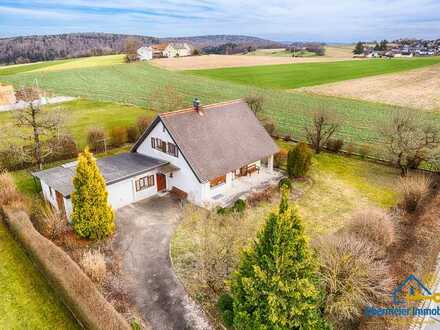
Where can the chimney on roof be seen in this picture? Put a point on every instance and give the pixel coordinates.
(197, 107)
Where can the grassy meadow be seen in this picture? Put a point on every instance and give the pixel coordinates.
(27, 301)
(290, 76)
(81, 115)
(137, 83)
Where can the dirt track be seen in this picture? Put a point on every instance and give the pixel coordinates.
(415, 89)
(225, 61)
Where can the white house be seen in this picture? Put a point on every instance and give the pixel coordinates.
(171, 50)
(145, 53)
(209, 154)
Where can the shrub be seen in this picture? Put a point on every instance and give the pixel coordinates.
(64, 147)
(299, 160)
(142, 123)
(260, 196)
(364, 150)
(118, 136)
(239, 206)
(93, 264)
(132, 134)
(414, 188)
(349, 149)
(285, 182)
(335, 145)
(95, 139)
(46, 220)
(255, 102)
(270, 127)
(280, 159)
(374, 225)
(352, 277)
(12, 159)
(225, 306)
(92, 217)
(9, 195)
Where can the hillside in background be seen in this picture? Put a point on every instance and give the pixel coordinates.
(29, 49)
(53, 47)
(219, 40)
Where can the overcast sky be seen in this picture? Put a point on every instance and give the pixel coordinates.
(318, 20)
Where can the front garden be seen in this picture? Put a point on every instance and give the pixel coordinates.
(348, 207)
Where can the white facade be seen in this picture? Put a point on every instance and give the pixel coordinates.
(145, 53)
(199, 193)
(120, 194)
(183, 179)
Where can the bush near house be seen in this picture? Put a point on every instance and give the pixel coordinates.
(118, 136)
(93, 264)
(269, 293)
(132, 134)
(299, 160)
(95, 139)
(92, 217)
(142, 123)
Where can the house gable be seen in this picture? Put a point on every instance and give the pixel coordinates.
(185, 179)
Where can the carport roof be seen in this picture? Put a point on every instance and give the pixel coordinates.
(113, 169)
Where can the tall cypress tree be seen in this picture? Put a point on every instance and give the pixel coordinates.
(274, 287)
(92, 216)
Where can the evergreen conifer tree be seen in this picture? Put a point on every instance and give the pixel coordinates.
(275, 285)
(359, 48)
(92, 216)
(299, 160)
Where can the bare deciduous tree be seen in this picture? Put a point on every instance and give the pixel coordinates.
(409, 140)
(131, 46)
(255, 102)
(320, 131)
(37, 125)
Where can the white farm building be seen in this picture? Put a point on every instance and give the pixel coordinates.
(209, 155)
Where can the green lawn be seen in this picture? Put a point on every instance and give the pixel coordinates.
(137, 83)
(340, 185)
(81, 114)
(336, 188)
(290, 76)
(27, 301)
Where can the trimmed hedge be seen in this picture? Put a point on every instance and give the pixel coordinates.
(74, 287)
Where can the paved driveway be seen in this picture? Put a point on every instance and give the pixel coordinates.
(143, 240)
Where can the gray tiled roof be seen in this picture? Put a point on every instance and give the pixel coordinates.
(113, 169)
(226, 137)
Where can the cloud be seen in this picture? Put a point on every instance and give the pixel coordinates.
(344, 20)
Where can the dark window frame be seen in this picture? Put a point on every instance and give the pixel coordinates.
(144, 182)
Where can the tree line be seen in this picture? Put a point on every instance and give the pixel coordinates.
(29, 49)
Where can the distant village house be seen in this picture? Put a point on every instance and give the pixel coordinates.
(167, 50)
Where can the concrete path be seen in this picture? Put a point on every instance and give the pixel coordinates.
(144, 231)
(47, 100)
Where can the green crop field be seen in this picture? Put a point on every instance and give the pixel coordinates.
(290, 76)
(137, 83)
(27, 300)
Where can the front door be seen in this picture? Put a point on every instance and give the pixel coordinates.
(161, 181)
